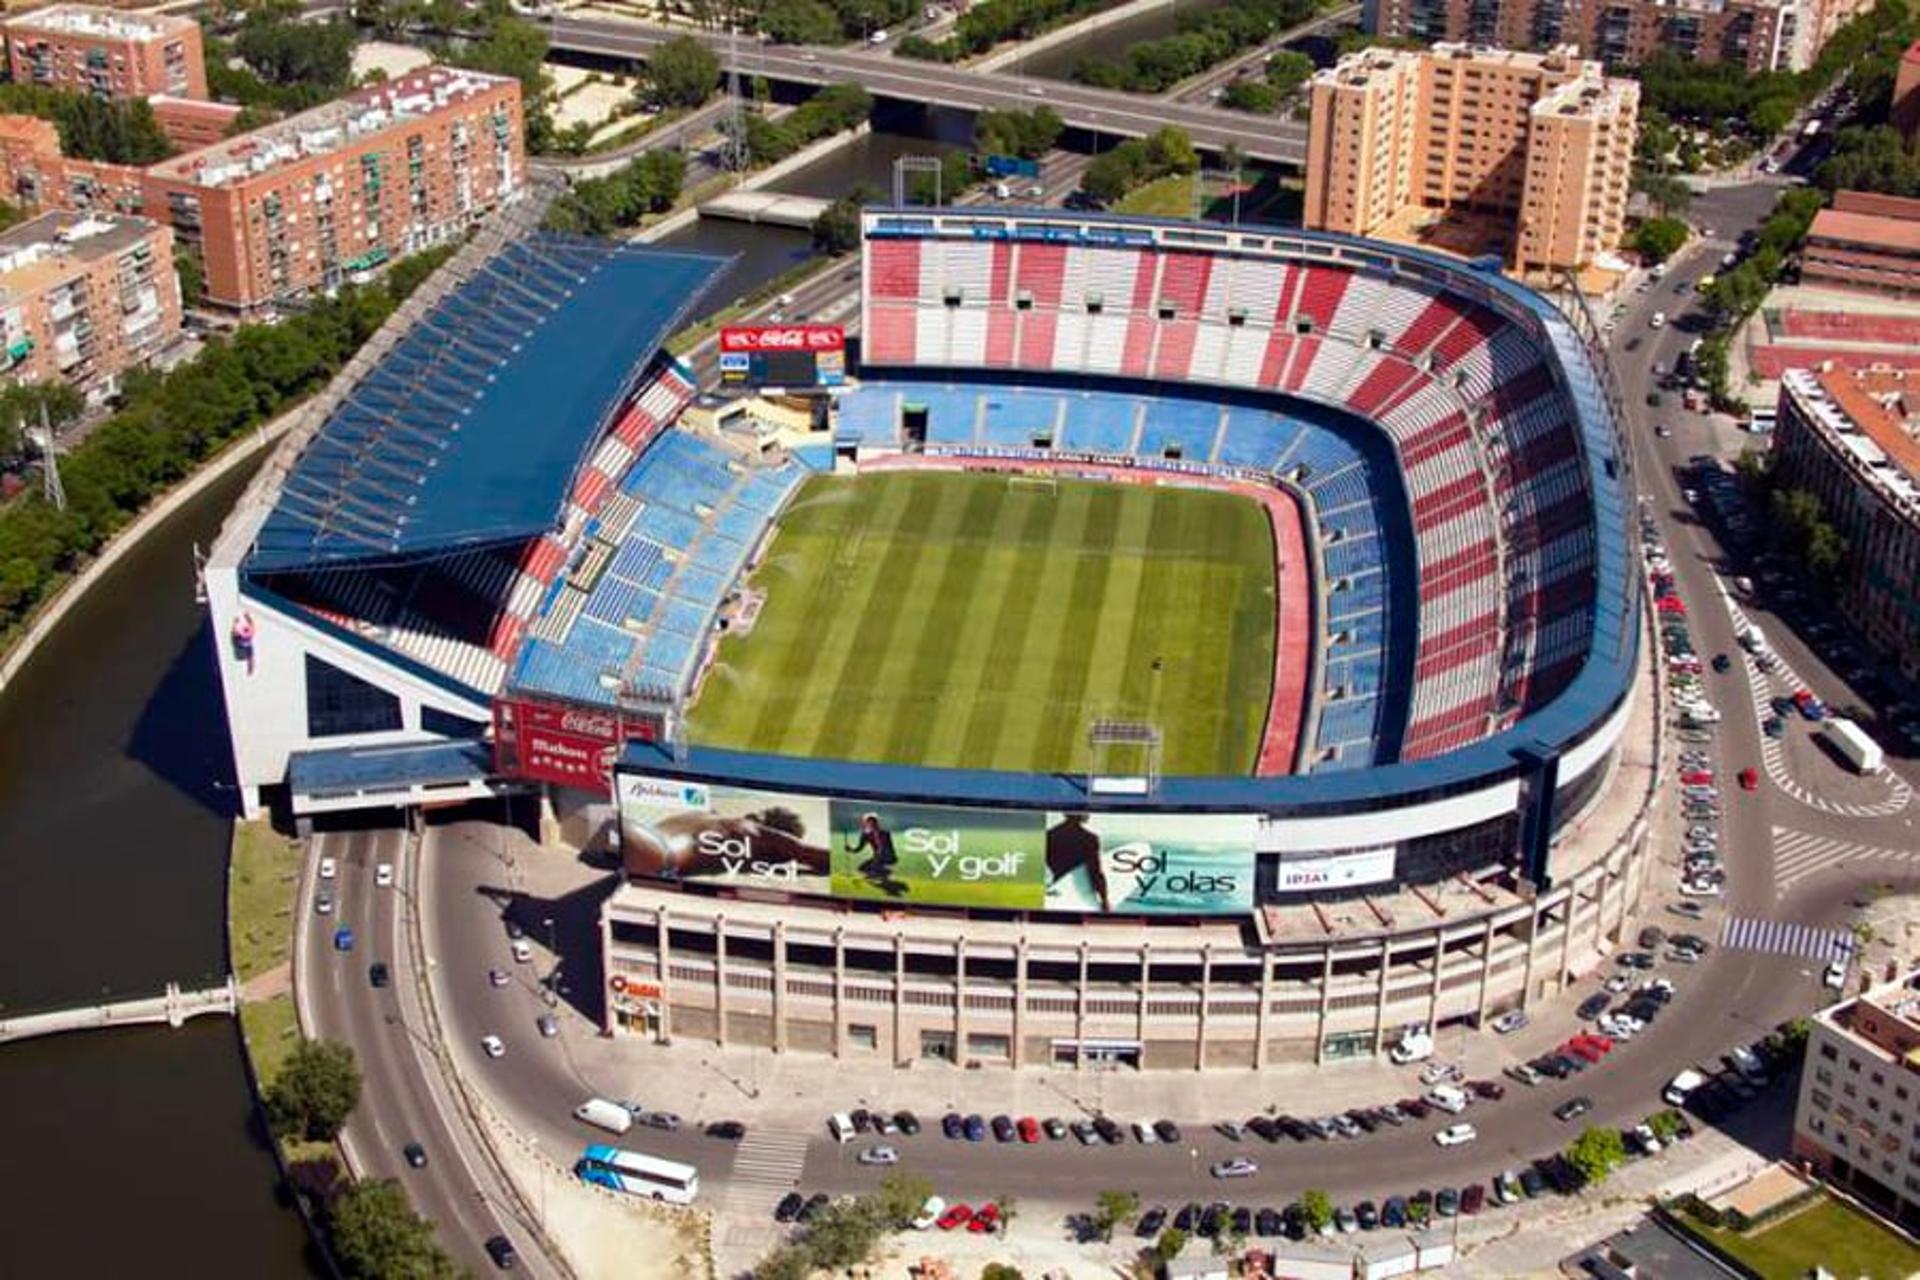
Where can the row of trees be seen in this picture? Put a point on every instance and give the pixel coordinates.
(834, 109)
(92, 128)
(172, 422)
(1797, 528)
(993, 21)
(1203, 40)
(601, 206)
(1138, 161)
(848, 1230)
(283, 64)
(1286, 72)
(830, 21)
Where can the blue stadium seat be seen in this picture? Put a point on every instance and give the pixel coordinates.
(1099, 423)
(1186, 425)
(1013, 416)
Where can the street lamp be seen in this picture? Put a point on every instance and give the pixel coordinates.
(553, 969)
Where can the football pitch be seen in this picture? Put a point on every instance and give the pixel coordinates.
(974, 620)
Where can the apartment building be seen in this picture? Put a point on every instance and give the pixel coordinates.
(107, 53)
(1760, 35)
(1858, 1118)
(1545, 140)
(313, 199)
(1866, 242)
(84, 297)
(36, 175)
(1852, 439)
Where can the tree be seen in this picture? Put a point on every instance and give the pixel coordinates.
(285, 51)
(316, 1090)
(1110, 176)
(1596, 1153)
(1658, 239)
(683, 72)
(1111, 1208)
(317, 1179)
(1317, 1207)
(1170, 150)
(800, 22)
(21, 407)
(788, 1262)
(1169, 1245)
(1287, 70)
(1667, 194)
(511, 47)
(1252, 95)
(1009, 1210)
(377, 1235)
(1001, 1271)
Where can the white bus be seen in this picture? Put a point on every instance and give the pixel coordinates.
(639, 1175)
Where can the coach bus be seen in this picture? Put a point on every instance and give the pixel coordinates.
(639, 1175)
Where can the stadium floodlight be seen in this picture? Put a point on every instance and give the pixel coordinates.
(905, 165)
(1123, 756)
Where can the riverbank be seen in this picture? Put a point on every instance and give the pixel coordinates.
(262, 885)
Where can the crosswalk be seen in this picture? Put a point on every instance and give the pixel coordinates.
(766, 1165)
(1783, 938)
(1800, 855)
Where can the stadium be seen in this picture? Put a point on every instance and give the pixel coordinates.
(1179, 646)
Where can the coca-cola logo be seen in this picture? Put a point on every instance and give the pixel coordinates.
(587, 724)
(804, 337)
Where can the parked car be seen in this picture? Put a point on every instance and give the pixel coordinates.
(1455, 1135)
(789, 1207)
(929, 1215)
(883, 1155)
(1150, 1223)
(501, 1251)
(1509, 1022)
(1572, 1109)
(494, 1046)
(953, 1126)
(986, 1218)
(957, 1215)
(1236, 1167)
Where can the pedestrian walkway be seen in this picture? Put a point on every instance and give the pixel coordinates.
(1801, 855)
(766, 1166)
(1783, 938)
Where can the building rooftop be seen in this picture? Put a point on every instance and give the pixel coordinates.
(101, 24)
(329, 127)
(38, 253)
(1885, 1018)
(1592, 94)
(1872, 231)
(1873, 413)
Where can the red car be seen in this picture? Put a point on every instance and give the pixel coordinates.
(1029, 1129)
(1697, 777)
(986, 1220)
(1670, 604)
(956, 1216)
(1749, 780)
(1603, 1044)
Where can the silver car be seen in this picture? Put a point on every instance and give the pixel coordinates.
(1238, 1167)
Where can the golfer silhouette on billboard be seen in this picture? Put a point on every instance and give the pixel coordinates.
(877, 841)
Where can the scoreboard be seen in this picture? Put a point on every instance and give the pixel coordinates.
(783, 355)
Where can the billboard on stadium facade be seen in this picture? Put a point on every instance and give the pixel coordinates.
(1349, 868)
(790, 355)
(935, 854)
(1151, 863)
(673, 829)
(564, 745)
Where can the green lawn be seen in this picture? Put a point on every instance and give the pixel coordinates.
(266, 866)
(1830, 1234)
(271, 1030)
(957, 619)
(1168, 197)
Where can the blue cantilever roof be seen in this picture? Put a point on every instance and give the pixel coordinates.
(470, 431)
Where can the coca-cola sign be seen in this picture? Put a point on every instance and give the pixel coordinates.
(566, 745)
(783, 337)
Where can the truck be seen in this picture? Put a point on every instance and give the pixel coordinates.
(602, 1114)
(1853, 744)
(1415, 1045)
(1681, 1086)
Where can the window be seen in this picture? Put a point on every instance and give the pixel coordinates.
(338, 703)
(448, 725)
(991, 1047)
(1820, 1099)
(1878, 1079)
(863, 1035)
(937, 1046)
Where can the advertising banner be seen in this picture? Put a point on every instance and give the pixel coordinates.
(671, 829)
(1346, 869)
(1151, 863)
(783, 337)
(566, 746)
(792, 355)
(932, 854)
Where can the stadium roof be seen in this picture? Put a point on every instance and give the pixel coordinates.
(471, 429)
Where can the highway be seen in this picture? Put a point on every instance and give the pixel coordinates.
(1282, 142)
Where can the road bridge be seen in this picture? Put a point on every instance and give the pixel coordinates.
(1263, 138)
(172, 1007)
(770, 207)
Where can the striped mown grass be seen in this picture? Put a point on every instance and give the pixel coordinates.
(966, 620)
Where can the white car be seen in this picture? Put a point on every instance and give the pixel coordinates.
(327, 868)
(929, 1214)
(1509, 1022)
(383, 875)
(1438, 1072)
(493, 1045)
(1836, 975)
(522, 950)
(1659, 320)
(879, 1155)
(1238, 1167)
(1143, 1134)
(1456, 1135)
(1618, 983)
(1704, 889)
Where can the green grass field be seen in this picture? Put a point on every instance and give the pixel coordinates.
(960, 619)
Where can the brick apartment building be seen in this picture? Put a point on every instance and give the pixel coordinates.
(1858, 1118)
(1867, 242)
(84, 297)
(308, 201)
(1852, 439)
(1761, 35)
(106, 52)
(1544, 140)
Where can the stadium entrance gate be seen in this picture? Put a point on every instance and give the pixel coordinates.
(1096, 1053)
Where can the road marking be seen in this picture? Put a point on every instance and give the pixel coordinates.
(766, 1165)
(1801, 855)
(1783, 938)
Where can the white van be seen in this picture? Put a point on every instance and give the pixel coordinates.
(1678, 1088)
(840, 1125)
(602, 1114)
(1450, 1098)
(1415, 1046)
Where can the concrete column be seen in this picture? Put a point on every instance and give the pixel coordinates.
(1326, 1004)
(1566, 938)
(839, 991)
(900, 1054)
(960, 999)
(1146, 991)
(779, 986)
(1080, 1011)
(606, 971)
(1533, 939)
(1439, 961)
(1018, 1047)
(1486, 973)
(1261, 1014)
(663, 950)
(1380, 994)
(720, 979)
(1206, 1001)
